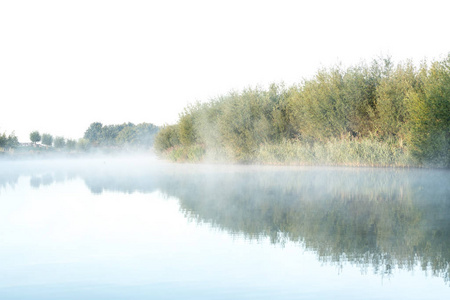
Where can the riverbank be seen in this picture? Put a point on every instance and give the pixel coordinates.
(374, 114)
(342, 152)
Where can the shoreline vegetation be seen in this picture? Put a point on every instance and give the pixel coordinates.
(373, 114)
(376, 114)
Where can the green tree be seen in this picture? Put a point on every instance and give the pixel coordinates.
(167, 137)
(244, 122)
(60, 142)
(145, 134)
(83, 144)
(187, 132)
(429, 110)
(3, 140)
(9, 141)
(317, 106)
(358, 96)
(127, 136)
(35, 137)
(207, 123)
(47, 139)
(282, 127)
(109, 133)
(392, 111)
(141, 135)
(401, 107)
(71, 144)
(93, 133)
(12, 141)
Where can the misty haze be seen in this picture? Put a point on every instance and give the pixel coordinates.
(139, 228)
(234, 150)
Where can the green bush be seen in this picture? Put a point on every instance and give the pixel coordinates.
(429, 123)
(377, 114)
(166, 138)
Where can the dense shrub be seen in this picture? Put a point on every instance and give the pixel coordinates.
(429, 109)
(167, 138)
(368, 114)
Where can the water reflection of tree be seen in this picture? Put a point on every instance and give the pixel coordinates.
(8, 179)
(376, 218)
(370, 217)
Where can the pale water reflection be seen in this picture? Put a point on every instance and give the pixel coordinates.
(139, 229)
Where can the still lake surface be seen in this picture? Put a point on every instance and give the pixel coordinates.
(117, 228)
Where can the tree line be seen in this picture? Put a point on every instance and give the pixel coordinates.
(48, 140)
(102, 136)
(8, 141)
(401, 105)
(123, 135)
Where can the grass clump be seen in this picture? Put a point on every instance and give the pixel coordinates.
(347, 152)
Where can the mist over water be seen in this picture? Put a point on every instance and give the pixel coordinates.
(120, 227)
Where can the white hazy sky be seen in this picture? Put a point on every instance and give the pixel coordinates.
(66, 64)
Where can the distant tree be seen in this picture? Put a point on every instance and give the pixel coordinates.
(47, 139)
(71, 144)
(35, 137)
(127, 136)
(83, 144)
(12, 141)
(94, 133)
(9, 141)
(145, 134)
(3, 140)
(109, 133)
(60, 142)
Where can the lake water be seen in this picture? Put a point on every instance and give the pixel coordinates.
(115, 228)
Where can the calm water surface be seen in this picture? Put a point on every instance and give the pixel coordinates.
(140, 229)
